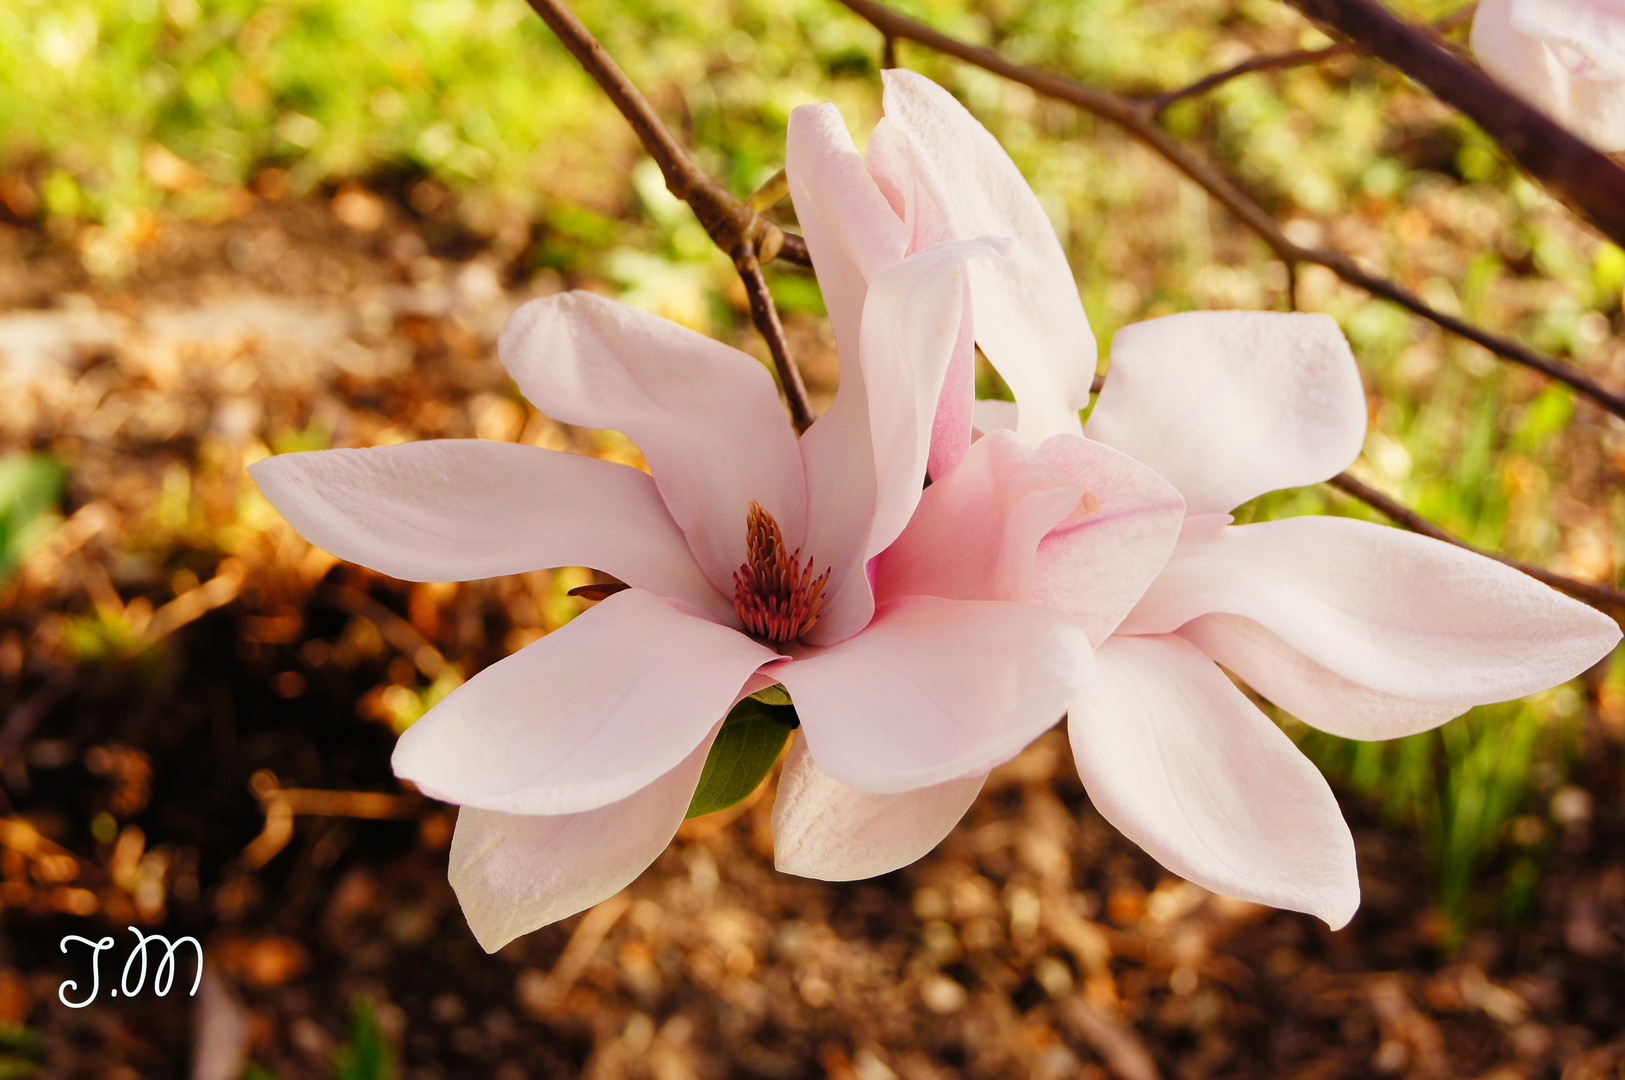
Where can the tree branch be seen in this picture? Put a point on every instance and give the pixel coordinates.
(1582, 176)
(1603, 597)
(1159, 102)
(743, 234)
(1138, 118)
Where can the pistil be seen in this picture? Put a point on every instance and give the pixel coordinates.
(775, 596)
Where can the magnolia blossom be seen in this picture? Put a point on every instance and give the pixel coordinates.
(900, 623)
(1359, 629)
(1566, 56)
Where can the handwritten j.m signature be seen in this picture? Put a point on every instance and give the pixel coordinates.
(163, 976)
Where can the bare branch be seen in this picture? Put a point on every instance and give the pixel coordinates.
(1159, 102)
(1603, 597)
(733, 225)
(1585, 178)
(1138, 118)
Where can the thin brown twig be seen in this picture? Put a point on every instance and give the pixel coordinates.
(1297, 58)
(1604, 597)
(1137, 117)
(1585, 178)
(738, 230)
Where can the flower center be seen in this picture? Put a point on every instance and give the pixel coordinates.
(776, 598)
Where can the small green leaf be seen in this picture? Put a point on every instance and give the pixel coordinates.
(773, 695)
(746, 748)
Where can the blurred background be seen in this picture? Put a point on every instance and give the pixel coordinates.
(230, 229)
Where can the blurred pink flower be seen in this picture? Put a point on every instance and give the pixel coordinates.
(1566, 56)
(910, 650)
(1358, 629)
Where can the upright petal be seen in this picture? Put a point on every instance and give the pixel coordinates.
(1028, 318)
(826, 830)
(514, 874)
(1315, 694)
(707, 417)
(1184, 765)
(461, 509)
(584, 717)
(1097, 563)
(852, 232)
(880, 425)
(920, 196)
(1402, 614)
(936, 690)
(1227, 405)
(977, 532)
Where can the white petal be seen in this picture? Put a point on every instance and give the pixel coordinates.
(514, 874)
(1097, 563)
(1179, 760)
(707, 417)
(826, 830)
(1227, 405)
(936, 690)
(584, 717)
(989, 415)
(1548, 55)
(1028, 318)
(1309, 691)
(1402, 614)
(852, 232)
(461, 509)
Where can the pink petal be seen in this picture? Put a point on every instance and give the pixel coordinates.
(880, 426)
(461, 509)
(852, 232)
(1227, 405)
(707, 417)
(936, 690)
(826, 830)
(1185, 766)
(1097, 563)
(515, 874)
(1399, 613)
(1028, 318)
(976, 533)
(1564, 57)
(1314, 694)
(584, 717)
(920, 197)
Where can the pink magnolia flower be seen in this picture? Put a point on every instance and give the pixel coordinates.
(910, 648)
(1359, 629)
(1566, 56)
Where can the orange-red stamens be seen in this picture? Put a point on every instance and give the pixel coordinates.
(776, 598)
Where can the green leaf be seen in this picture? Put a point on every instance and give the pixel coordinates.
(746, 748)
(367, 1056)
(30, 485)
(773, 695)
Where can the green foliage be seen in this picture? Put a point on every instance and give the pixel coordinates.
(21, 1051)
(30, 488)
(367, 1055)
(751, 739)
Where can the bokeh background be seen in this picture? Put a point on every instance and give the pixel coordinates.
(230, 229)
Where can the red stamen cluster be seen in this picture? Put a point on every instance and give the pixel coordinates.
(775, 597)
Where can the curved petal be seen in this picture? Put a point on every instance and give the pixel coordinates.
(1313, 693)
(514, 874)
(990, 415)
(1524, 46)
(584, 717)
(1593, 30)
(920, 196)
(852, 232)
(1227, 405)
(1028, 318)
(1403, 614)
(707, 417)
(977, 532)
(1097, 563)
(880, 425)
(461, 509)
(936, 690)
(826, 830)
(1185, 766)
